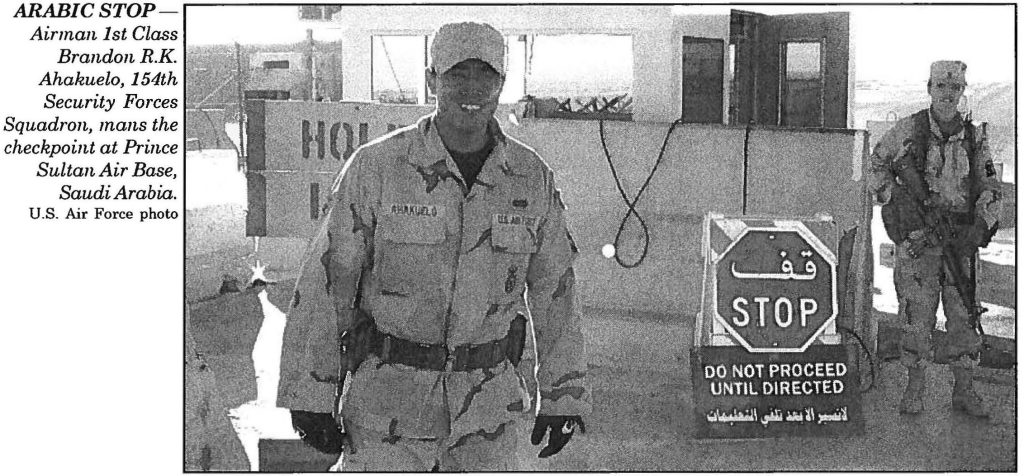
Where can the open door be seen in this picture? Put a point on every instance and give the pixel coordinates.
(743, 51)
(790, 70)
(703, 65)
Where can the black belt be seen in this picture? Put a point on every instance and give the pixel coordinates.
(396, 350)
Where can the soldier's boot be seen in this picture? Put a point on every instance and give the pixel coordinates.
(965, 399)
(912, 403)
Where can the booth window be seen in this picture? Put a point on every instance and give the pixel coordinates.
(587, 76)
(397, 69)
(572, 76)
(276, 64)
(800, 98)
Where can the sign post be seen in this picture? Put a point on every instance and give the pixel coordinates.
(768, 360)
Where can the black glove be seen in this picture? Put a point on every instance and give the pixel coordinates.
(562, 428)
(320, 431)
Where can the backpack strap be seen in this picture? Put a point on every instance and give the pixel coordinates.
(921, 134)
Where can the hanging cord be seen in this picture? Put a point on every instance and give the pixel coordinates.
(746, 159)
(632, 204)
(870, 357)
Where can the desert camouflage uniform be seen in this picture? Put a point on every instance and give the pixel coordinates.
(921, 281)
(433, 265)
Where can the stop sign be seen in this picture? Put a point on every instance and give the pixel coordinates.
(775, 289)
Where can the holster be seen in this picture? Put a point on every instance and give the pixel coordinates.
(357, 341)
(517, 339)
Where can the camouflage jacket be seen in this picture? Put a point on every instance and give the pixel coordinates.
(431, 264)
(946, 169)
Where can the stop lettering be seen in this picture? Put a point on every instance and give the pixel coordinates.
(781, 311)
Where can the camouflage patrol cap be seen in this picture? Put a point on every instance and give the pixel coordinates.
(457, 42)
(949, 71)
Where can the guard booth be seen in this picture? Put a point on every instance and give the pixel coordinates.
(702, 64)
(741, 68)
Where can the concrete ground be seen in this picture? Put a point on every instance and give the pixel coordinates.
(643, 418)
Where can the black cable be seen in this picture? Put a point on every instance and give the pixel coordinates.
(871, 358)
(632, 204)
(746, 155)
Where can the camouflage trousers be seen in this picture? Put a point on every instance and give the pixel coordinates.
(493, 450)
(920, 285)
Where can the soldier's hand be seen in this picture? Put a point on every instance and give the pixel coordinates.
(919, 240)
(320, 431)
(559, 429)
(916, 245)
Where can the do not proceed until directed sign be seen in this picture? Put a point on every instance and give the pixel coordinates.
(738, 394)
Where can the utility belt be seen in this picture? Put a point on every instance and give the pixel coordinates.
(464, 358)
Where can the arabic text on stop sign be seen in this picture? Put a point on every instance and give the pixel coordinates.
(783, 311)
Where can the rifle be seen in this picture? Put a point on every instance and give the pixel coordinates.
(938, 231)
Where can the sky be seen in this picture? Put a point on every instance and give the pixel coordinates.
(890, 43)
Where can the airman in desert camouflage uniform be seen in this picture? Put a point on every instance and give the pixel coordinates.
(443, 239)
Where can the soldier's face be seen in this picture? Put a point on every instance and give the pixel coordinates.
(945, 97)
(467, 95)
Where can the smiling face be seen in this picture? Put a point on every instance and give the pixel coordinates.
(467, 96)
(946, 94)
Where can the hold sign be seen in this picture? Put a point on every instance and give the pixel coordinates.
(775, 289)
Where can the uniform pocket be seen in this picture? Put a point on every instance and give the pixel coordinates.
(512, 233)
(409, 247)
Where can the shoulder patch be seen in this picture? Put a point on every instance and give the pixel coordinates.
(990, 169)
